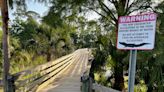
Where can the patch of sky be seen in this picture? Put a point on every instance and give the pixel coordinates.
(39, 8)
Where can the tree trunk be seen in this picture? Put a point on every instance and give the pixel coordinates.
(118, 68)
(6, 64)
(48, 55)
(119, 80)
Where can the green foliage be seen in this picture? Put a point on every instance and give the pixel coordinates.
(34, 43)
(140, 87)
(101, 79)
(55, 21)
(151, 63)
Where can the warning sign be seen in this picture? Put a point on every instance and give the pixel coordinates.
(136, 32)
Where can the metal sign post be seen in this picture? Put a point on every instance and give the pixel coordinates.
(132, 69)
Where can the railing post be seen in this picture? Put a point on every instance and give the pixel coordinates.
(90, 84)
(11, 85)
(85, 87)
(86, 84)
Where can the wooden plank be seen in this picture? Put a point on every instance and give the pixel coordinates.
(50, 75)
(42, 73)
(66, 82)
(52, 79)
(48, 71)
(35, 83)
(41, 67)
(45, 78)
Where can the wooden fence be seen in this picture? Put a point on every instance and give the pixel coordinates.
(34, 79)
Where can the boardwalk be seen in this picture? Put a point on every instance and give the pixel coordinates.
(69, 81)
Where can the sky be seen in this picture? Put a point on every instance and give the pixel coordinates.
(32, 6)
(38, 7)
(42, 9)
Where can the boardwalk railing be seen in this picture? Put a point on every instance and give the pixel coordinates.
(34, 79)
(87, 81)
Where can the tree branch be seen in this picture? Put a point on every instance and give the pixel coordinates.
(111, 1)
(126, 5)
(101, 15)
(141, 7)
(104, 7)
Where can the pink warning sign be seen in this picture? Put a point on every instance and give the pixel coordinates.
(136, 32)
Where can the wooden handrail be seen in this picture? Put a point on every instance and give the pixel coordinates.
(34, 79)
(40, 67)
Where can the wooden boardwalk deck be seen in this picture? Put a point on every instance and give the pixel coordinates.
(69, 81)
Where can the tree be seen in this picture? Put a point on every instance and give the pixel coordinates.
(6, 64)
(86, 31)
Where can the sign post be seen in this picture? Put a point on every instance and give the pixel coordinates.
(136, 33)
(132, 70)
